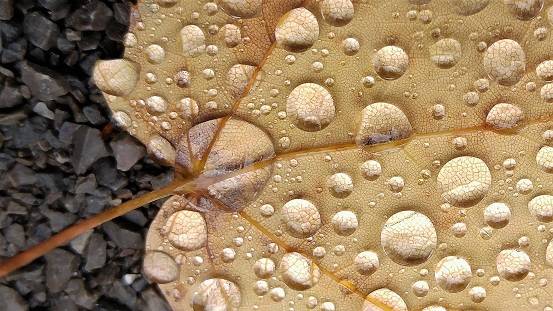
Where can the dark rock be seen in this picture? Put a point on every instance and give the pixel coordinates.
(21, 175)
(44, 83)
(107, 175)
(15, 234)
(153, 301)
(124, 294)
(67, 132)
(40, 31)
(127, 150)
(79, 243)
(86, 184)
(124, 238)
(10, 96)
(43, 110)
(96, 253)
(60, 266)
(79, 294)
(64, 304)
(94, 15)
(89, 147)
(6, 9)
(93, 115)
(11, 300)
(15, 51)
(52, 5)
(122, 13)
(98, 201)
(59, 221)
(136, 217)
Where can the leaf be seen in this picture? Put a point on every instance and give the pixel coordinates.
(349, 156)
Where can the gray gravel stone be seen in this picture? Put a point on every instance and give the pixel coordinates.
(94, 15)
(153, 301)
(79, 294)
(124, 238)
(89, 147)
(123, 294)
(107, 175)
(11, 300)
(44, 111)
(96, 253)
(6, 9)
(10, 96)
(86, 184)
(40, 31)
(127, 150)
(44, 83)
(60, 266)
(21, 175)
(79, 243)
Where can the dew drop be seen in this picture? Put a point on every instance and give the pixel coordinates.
(391, 62)
(544, 158)
(504, 116)
(193, 41)
(464, 181)
(513, 264)
(337, 12)
(382, 122)
(300, 218)
(344, 223)
(160, 267)
(366, 263)
(408, 238)
(216, 294)
(310, 107)
(497, 215)
(297, 30)
(387, 297)
(299, 272)
(453, 274)
(505, 62)
(371, 169)
(186, 230)
(445, 53)
(340, 185)
(541, 208)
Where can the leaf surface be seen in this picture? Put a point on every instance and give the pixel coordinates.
(370, 155)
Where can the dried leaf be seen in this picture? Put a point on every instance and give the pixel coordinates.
(345, 155)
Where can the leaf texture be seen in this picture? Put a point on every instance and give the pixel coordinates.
(345, 155)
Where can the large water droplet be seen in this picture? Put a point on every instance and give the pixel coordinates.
(464, 181)
(513, 264)
(505, 62)
(453, 274)
(382, 122)
(409, 238)
(300, 218)
(310, 107)
(297, 30)
(299, 272)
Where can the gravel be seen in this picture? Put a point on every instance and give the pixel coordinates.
(61, 161)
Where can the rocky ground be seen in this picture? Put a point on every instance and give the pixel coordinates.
(61, 161)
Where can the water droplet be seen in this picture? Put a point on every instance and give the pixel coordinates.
(420, 288)
(186, 230)
(505, 62)
(310, 107)
(546, 92)
(459, 229)
(477, 294)
(544, 158)
(193, 41)
(156, 105)
(344, 223)
(445, 53)
(155, 54)
(524, 9)
(382, 122)
(541, 207)
(228, 255)
(387, 297)
(216, 294)
(160, 267)
(464, 181)
(504, 116)
(366, 263)
(260, 288)
(544, 70)
(525, 186)
(391, 62)
(122, 119)
(300, 218)
(340, 185)
(161, 150)
(264, 268)
(549, 253)
(277, 294)
(513, 264)
(468, 7)
(297, 30)
(337, 12)
(231, 35)
(371, 169)
(396, 184)
(299, 272)
(453, 274)
(497, 215)
(116, 77)
(241, 8)
(408, 238)
(350, 46)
